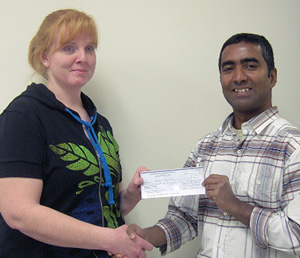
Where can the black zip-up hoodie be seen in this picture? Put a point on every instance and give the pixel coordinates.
(40, 139)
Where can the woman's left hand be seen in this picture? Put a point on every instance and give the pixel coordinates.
(134, 187)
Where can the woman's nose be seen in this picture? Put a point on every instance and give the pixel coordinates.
(81, 56)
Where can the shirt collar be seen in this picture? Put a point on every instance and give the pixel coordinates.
(256, 124)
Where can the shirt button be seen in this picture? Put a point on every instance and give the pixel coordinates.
(225, 213)
(239, 152)
(258, 182)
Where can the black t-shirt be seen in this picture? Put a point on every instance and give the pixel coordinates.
(39, 139)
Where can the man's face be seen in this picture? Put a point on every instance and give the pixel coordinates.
(244, 79)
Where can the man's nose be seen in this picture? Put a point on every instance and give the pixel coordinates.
(240, 75)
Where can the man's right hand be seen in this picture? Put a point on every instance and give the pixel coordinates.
(154, 235)
(128, 247)
(134, 230)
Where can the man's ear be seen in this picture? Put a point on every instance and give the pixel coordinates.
(44, 58)
(273, 76)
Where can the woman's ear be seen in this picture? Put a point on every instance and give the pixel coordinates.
(44, 58)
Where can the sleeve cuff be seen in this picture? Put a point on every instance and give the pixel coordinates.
(258, 225)
(173, 236)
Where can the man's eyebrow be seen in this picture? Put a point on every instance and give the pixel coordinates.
(245, 60)
(250, 59)
(229, 62)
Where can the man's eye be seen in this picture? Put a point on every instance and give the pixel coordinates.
(251, 66)
(227, 69)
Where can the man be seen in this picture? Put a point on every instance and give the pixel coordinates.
(252, 169)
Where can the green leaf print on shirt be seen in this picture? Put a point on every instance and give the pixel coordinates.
(82, 159)
(79, 158)
(110, 217)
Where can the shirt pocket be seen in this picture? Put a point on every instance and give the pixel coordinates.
(260, 183)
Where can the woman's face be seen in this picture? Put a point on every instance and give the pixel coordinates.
(72, 65)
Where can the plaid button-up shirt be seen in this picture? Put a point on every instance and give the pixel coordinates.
(264, 171)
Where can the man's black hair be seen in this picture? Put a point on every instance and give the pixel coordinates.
(266, 47)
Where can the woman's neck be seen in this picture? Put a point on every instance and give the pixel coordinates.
(72, 100)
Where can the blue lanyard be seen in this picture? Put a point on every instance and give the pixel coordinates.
(93, 137)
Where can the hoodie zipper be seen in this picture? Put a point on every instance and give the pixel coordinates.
(100, 174)
(87, 133)
(100, 179)
(99, 189)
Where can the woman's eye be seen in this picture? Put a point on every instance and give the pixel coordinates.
(90, 49)
(69, 49)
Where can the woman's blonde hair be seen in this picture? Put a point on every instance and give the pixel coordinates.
(69, 23)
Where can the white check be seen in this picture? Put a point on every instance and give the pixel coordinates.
(172, 182)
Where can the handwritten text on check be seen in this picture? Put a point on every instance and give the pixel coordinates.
(172, 182)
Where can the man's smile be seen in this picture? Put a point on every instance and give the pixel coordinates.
(241, 90)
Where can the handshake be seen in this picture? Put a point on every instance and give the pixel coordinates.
(143, 239)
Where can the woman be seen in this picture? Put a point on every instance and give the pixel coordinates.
(59, 165)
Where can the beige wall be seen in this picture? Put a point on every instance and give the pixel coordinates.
(157, 79)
